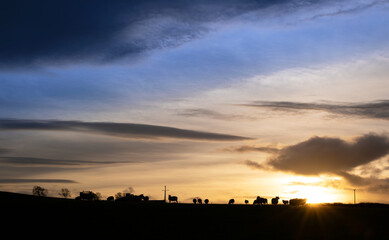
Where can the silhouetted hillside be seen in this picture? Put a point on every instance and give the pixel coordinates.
(60, 217)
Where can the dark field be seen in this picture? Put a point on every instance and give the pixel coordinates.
(52, 217)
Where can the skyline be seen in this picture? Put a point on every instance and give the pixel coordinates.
(217, 100)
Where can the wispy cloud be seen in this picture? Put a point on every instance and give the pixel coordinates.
(125, 130)
(334, 183)
(39, 162)
(19, 180)
(254, 165)
(372, 184)
(207, 113)
(348, 10)
(377, 109)
(249, 148)
(101, 31)
(4, 150)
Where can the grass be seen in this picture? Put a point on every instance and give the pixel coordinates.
(40, 215)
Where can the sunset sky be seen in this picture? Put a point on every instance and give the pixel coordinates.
(214, 99)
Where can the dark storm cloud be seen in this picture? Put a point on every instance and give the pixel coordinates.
(18, 180)
(330, 155)
(126, 130)
(63, 31)
(377, 109)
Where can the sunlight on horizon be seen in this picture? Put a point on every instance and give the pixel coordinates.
(315, 189)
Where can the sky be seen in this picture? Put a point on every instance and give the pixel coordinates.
(214, 99)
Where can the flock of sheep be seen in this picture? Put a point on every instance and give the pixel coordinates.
(89, 195)
(258, 201)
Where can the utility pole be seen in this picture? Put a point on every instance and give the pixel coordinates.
(164, 198)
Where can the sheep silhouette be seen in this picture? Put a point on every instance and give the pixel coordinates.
(260, 201)
(173, 199)
(199, 201)
(285, 202)
(194, 200)
(232, 201)
(206, 201)
(246, 201)
(274, 201)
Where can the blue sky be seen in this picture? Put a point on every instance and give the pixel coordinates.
(189, 65)
(230, 50)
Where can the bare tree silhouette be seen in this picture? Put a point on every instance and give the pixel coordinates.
(119, 195)
(39, 191)
(65, 193)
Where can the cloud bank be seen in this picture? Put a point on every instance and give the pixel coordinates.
(125, 130)
(330, 155)
(334, 156)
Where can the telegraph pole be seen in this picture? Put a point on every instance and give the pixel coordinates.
(165, 190)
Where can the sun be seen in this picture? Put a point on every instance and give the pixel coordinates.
(318, 194)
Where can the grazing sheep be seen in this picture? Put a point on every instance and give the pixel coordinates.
(206, 201)
(232, 201)
(194, 200)
(285, 202)
(88, 195)
(246, 201)
(199, 201)
(260, 201)
(173, 199)
(274, 201)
